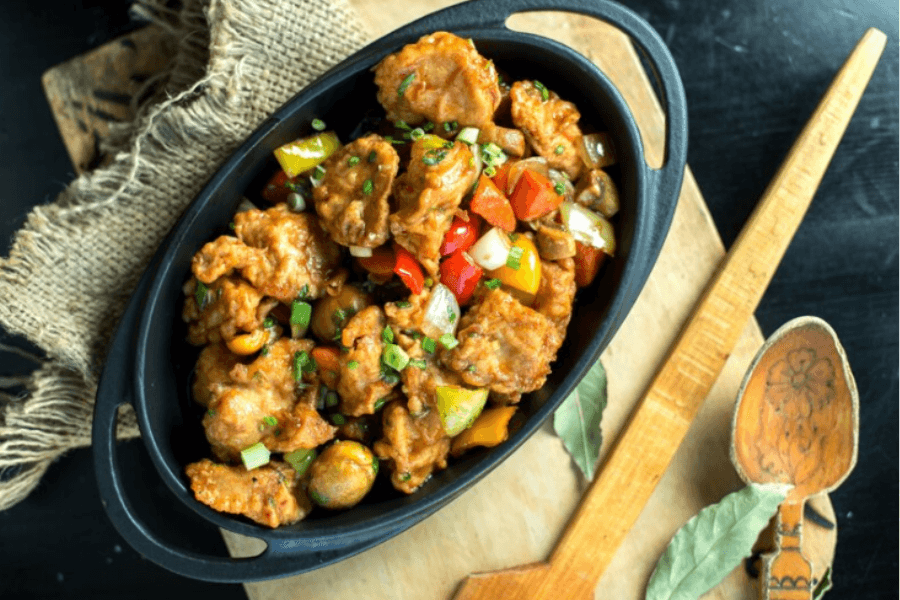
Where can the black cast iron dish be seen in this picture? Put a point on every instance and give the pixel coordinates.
(150, 364)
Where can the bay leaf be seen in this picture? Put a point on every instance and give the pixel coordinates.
(713, 543)
(577, 420)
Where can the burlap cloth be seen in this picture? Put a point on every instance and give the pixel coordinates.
(73, 264)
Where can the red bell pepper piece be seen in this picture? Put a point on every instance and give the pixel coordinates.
(276, 190)
(490, 203)
(461, 235)
(501, 177)
(587, 263)
(534, 196)
(408, 269)
(460, 273)
(381, 263)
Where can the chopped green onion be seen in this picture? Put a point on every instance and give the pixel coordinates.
(300, 460)
(514, 258)
(402, 125)
(490, 171)
(304, 292)
(353, 161)
(469, 135)
(264, 351)
(471, 368)
(405, 83)
(428, 126)
(428, 345)
(368, 186)
(338, 419)
(231, 225)
(559, 188)
(545, 93)
(269, 322)
(296, 202)
(318, 498)
(331, 399)
(560, 149)
(381, 402)
(429, 282)
(417, 134)
(318, 124)
(448, 341)
(352, 364)
(492, 149)
(303, 363)
(211, 412)
(434, 156)
(418, 362)
(270, 420)
(395, 357)
(201, 294)
(372, 156)
(389, 376)
(300, 313)
(375, 464)
(405, 477)
(403, 304)
(255, 456)
(451, 314)
(318, 175)
(387, 335)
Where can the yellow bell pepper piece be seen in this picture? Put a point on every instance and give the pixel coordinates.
(248, 343)
(522, 282)
(304, 154)
(433, 142)
(458, 406)
(489, 429)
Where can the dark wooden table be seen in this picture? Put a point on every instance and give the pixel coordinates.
(753, 71)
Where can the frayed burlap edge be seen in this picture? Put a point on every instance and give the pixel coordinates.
(260, 52)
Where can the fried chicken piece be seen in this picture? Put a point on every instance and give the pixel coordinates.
(352, 199)
(441, 78)
(259, 403)
(503, 346)
(281, 253)
(212, 369)
(550, 126)
(361, 385)
(418, 383)
(428, 194)
(413, 446)
(556, 294)
(230, 308)
(271, 495)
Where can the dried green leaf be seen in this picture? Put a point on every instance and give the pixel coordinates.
(577, 420)
(823, 586)
(713, 543)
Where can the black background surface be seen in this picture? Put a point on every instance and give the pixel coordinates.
(753, 71)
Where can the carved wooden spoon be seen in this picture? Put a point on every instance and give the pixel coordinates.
(796, 421)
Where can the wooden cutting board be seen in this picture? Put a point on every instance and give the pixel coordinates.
(515, 514)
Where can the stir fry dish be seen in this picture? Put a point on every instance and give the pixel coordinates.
(384, 302)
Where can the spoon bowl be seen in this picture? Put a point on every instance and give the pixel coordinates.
(796, 422)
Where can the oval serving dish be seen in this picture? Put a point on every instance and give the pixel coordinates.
(150, 364)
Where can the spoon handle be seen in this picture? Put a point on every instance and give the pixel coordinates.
(663, 416)
(787, 574)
